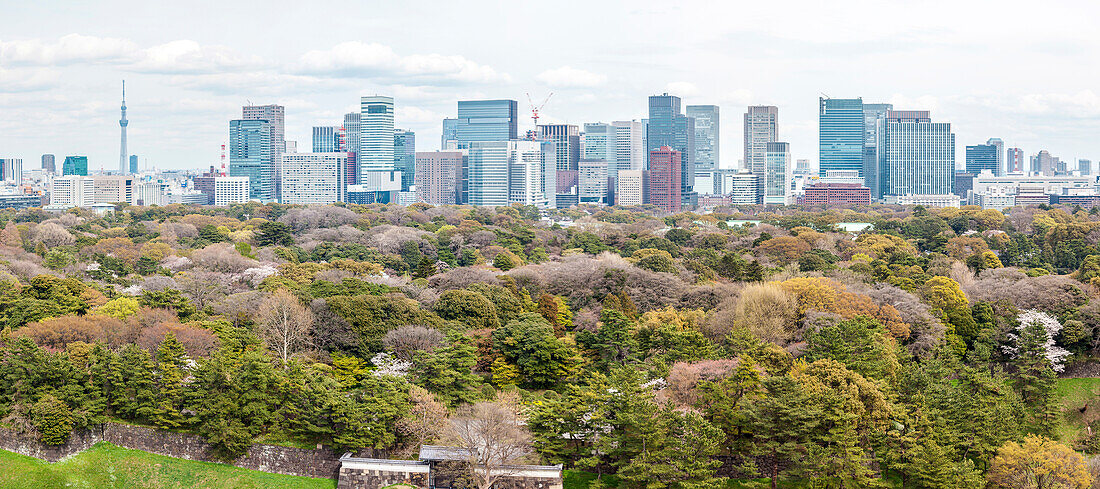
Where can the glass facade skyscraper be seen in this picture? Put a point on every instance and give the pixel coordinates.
(917, 155)
(982, 157)
(486, 120)
(250, 155)
(404, 156)
(75, 165)
(375, 135)
(761, 129)
(707, 136)
(840, 135)
(450, 133)
(872, 113)
(326, 139)
(351, 145)
(668, 126)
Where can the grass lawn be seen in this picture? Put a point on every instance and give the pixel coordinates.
(1072, 396)
(108, 466)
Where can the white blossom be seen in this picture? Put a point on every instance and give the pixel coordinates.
(388, 365)
(1055, 354)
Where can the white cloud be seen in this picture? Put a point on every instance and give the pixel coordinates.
(28, 79)
(69, 49)
(187, 56)
(568, 76)
(741, 96)
(373, 60)
(682, 89)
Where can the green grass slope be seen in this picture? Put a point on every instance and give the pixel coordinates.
(108, 466)
(1073, 395)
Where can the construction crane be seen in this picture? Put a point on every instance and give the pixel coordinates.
(536, 108)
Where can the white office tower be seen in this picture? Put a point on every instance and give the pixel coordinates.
(777, 173)
(631, 187)
(375, 137)
(313, 178)
(592, 180)
(630, 152)
(505, 172)
(71, 191)
(148, 193)
(230, 190)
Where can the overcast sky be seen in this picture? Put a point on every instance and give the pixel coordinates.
(1024, 71)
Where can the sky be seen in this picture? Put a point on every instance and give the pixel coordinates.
(1023, 71)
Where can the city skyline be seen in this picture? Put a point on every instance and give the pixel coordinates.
(188, 78)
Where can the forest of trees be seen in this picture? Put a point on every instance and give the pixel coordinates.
(670, 351)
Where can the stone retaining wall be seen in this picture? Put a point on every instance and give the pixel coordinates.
(267, 458)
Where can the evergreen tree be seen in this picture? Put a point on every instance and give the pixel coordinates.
(171, 360)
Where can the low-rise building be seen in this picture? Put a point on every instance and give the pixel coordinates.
(826, 194)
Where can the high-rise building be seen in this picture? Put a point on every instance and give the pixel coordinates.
(761, 128)
(11, 170)
(449, 138)
(230, 190)
(600, 143)
(777, 170)
(872, 114)
(917, 155)
(840, 134)
(664, 178)
(313, 178)
(1084, 167)
(326, 139)
(1043, 163)
(630, 147)
(742, 187)
(351, 145)
(404, 157)
(485, 120)
(592, 180)
(375, 135)
(251, 155)
(124, 156)
(49, 163)
(632, 188)
(982, 157)
(439, 176)
(133, 164)
(668, 126)
(1000, 145)
(568, 151)
(275, 115)
(1014, 160)
(75, 165)
(502, 172)
(707, 136)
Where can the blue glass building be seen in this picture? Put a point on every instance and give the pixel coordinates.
(840, 134)
(75, 165)
(250, 156)
(668, 126)
(404, 156)
(486, 120)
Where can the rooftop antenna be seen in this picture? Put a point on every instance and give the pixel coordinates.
(536, 108)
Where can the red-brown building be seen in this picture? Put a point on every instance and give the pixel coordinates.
(664, 178)
(836, 194)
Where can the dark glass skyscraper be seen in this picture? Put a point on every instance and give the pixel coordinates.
(250, 155)
(668, 126)
(840, 134)
(982, 157)
(404, 156)
(486, 120)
